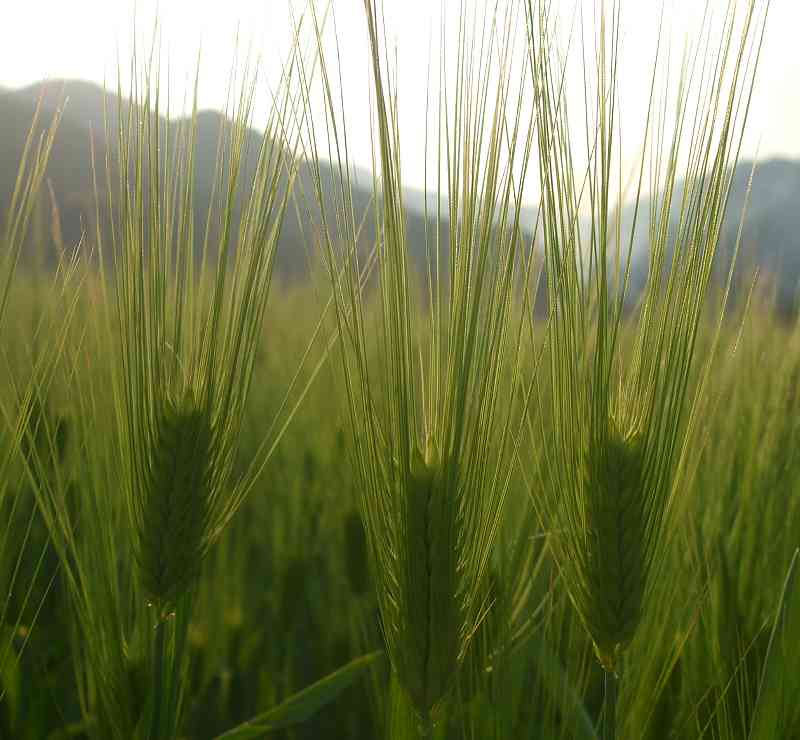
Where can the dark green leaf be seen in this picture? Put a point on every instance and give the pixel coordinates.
(301, 706)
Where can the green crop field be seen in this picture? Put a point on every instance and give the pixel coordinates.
(468, 477)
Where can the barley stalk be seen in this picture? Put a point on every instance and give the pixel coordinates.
(622, 431)
(189, 316)
(432, 428)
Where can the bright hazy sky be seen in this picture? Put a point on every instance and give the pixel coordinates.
(81, 38)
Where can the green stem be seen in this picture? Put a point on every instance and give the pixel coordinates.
(609, 724)
(159, 649)
(405, 722)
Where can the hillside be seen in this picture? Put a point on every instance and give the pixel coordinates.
(771, 235)
(85, 111)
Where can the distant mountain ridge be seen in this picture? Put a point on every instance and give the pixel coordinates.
(770, 238)
(770, 232)
(86, 108)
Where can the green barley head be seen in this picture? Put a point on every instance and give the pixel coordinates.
(432, 427)
(175, 500)
(430, 636)
(188, 299)
(618, 433)
(615, 551)
(190, 307)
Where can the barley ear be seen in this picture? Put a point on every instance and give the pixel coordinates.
(175, 501)
(616, 553)
(430, 657)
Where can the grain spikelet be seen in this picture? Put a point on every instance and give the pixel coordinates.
(175, 501)
(616, 553)
(431, 637)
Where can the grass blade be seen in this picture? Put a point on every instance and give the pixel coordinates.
(306, 703)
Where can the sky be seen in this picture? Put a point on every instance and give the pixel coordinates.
(42, 39)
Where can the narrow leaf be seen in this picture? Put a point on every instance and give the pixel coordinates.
(306, 703)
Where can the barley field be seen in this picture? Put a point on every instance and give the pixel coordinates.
(470, 476)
